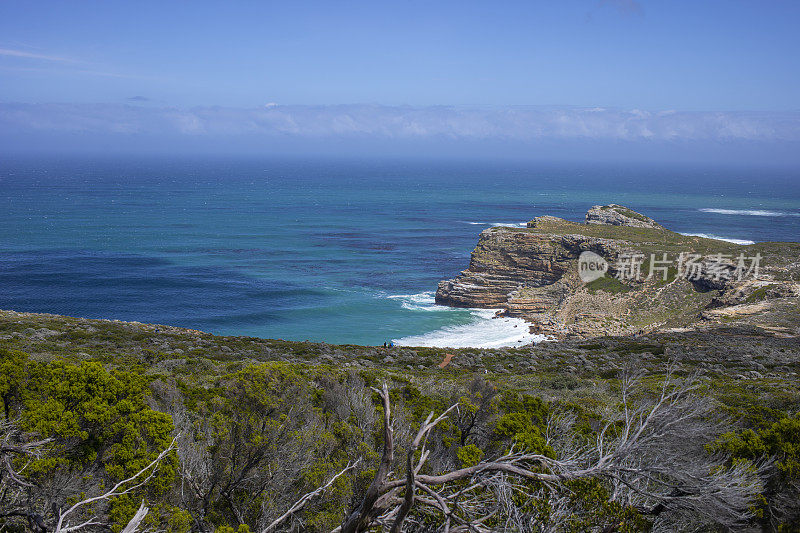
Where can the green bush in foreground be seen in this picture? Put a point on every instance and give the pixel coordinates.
(253, 441)
(780, 442)
(100, 427)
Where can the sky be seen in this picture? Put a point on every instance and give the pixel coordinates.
(284, 75)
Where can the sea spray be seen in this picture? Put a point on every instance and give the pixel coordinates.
(485, 330)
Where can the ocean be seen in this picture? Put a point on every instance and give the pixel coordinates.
(341, 251)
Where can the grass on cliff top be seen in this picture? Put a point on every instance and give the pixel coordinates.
(655, 240)
(624, 233)
(607, 284)
(630, 213)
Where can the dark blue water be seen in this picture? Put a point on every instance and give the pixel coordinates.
(341, 251)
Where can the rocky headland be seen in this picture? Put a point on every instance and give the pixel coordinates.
(657, 280)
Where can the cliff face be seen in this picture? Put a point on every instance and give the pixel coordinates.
(506, 261)
(533, 273)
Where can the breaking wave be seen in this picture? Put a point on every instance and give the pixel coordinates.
(423, 301)
(717, 237)
(496, 224)
(484, 331)
(750, 212)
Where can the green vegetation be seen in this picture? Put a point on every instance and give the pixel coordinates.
(759, 294)
(660, 240)
(100, 427)
(630, 213)
(779, 441)
(259, 423)
(608, 284)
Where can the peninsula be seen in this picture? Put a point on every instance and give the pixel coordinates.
(656, 279)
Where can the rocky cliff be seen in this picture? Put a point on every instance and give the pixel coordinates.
(618, 215)
(656, 279)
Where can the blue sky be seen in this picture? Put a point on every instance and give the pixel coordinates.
(115, 59)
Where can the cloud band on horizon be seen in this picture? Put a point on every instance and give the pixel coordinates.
(545, 133)
(405, 122)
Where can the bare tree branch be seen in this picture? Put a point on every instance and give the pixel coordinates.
(651, 457)
(134, 523)
(299, 504)
(117, 490)
(363, 514)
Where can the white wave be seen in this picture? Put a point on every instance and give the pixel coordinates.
(717, 237)
(750, 212)
(498, 224)
(420, 297)
(423, 301)
(483, 332)
(508, 224)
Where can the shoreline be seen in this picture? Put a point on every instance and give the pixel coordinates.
(493, 331)
(487, 328)
(6, 314)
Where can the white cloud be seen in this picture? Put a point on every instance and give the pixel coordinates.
(29, 55)
(523, 124)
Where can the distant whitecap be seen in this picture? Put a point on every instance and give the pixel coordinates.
(749, 212)
(717, 237)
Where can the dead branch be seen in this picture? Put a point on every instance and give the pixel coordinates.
(125, 486)
(134, 523)
(299, 504)
(362, 516)
(651, 456)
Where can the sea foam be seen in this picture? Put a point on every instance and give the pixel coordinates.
(717, 237)
(484, 331)
(423, 301)
(749, 212)
(498, 224)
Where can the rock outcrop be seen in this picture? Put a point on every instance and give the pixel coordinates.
(507, 262)
(618, 215)
(532, 273)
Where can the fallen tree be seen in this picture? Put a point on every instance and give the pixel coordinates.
(649, 459)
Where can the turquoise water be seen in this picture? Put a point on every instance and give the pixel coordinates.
(333, 250)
